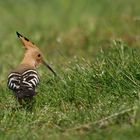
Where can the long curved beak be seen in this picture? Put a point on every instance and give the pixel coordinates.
(49, 68)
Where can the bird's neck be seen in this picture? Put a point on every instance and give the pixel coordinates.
(28, 62)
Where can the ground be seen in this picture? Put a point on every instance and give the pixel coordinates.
(94, 47)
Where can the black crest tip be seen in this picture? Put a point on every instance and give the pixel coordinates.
(18, 34)
(26, 39)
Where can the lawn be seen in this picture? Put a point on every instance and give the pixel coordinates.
(94, 47)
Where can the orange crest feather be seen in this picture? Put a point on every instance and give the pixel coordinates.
(26, 42)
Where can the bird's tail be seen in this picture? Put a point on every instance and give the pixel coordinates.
(26, 93)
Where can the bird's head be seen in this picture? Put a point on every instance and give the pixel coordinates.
(33, 55)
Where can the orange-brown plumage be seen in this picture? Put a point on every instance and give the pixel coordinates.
(24, 78)
(33, 56)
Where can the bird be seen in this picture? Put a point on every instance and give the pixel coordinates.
(24, 78)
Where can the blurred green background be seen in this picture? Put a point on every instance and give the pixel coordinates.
(93, 45)
(66, 28)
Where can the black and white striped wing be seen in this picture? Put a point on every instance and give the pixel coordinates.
(14, 81)
(30, 79)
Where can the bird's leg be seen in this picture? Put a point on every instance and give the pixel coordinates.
(20, 101)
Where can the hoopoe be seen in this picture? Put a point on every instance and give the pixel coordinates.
(23, 80)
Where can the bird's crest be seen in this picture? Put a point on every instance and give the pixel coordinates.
(33, 55)
(26, 42)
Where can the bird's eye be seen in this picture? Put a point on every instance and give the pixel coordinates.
(38, 55)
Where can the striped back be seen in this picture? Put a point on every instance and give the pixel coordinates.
(27, 80)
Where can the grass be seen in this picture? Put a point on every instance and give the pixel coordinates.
(94, 47)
